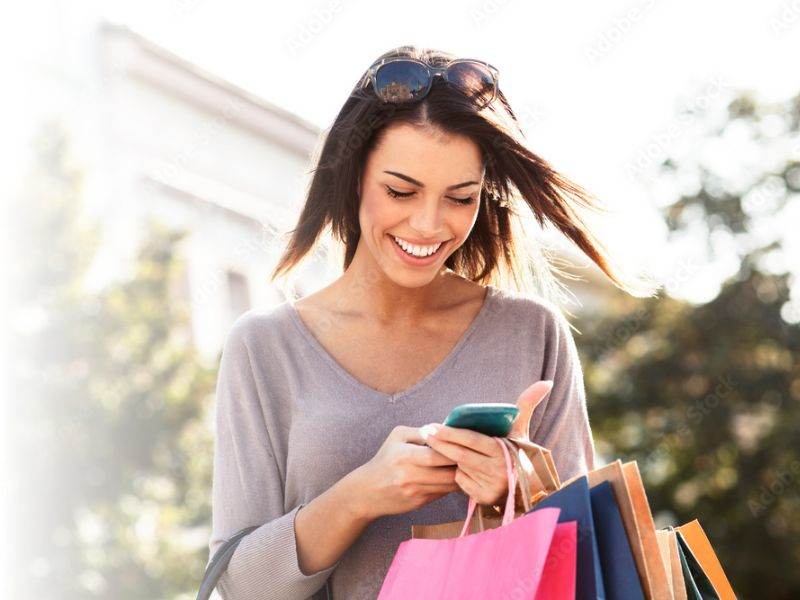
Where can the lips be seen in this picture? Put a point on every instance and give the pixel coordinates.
(412, 260)
(437, 244)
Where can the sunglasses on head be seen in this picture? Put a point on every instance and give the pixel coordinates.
(401, 80)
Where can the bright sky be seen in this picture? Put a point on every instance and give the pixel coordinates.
(597, 85)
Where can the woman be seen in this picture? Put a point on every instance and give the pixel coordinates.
(320, 401)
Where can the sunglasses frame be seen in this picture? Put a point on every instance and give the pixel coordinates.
(372, 73)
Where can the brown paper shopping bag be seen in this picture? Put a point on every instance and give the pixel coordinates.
(667, 544)
(696, 538)
(656, 574)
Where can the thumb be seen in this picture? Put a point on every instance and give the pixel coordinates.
(415, 435)
(528, 400)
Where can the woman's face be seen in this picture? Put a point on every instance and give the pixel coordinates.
(438, 178)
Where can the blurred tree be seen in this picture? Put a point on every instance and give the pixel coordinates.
(707, 397)
(111, 473)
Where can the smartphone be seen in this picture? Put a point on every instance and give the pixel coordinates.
(489, 418)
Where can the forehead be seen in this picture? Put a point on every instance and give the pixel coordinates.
(427, 155)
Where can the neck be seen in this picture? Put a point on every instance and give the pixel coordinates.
(368, 291)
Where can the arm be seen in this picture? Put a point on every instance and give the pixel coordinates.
(564, 424)
(328, 526)
(290, 555)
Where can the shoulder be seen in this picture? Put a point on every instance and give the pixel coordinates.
(258, 326)
(528, 311)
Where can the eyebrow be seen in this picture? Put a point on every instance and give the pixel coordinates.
(422, 185)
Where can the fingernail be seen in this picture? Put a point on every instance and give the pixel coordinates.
(428, 430)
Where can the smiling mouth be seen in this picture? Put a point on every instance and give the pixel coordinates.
(419, 256)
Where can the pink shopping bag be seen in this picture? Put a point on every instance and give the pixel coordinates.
(506, 562)
(560, 568)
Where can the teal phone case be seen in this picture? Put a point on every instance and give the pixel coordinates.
(489, 418)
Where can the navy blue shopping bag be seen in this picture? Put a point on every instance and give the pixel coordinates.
(620, 578)
(575, 504)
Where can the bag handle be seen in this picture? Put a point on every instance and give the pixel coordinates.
(511, 473)
(524, 482)
(219, 563)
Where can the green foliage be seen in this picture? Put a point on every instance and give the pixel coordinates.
(112, 471)
(707, 397)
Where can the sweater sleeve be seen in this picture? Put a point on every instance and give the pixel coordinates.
(564, 425)
(247, 489)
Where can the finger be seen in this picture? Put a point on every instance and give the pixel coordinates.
(479, 466)
(474, 440)
(440, 476)
(425, 456)
(487, 472)
(410, 435)
(527, 402)
(453, 452)
(470, 487)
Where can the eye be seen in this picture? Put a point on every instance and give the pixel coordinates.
(460, 201)
(396, 194)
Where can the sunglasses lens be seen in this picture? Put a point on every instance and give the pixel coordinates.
(476, 80)
(401, 81)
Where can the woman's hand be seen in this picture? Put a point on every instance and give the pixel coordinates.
(404, 475)
(481, 466)
(481, 470)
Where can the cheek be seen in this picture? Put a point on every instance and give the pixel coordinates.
(466, 221)
(377, 212)
(370, 210)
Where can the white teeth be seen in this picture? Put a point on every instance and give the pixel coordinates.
(419, 251)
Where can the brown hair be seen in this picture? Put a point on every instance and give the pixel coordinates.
(495, 251)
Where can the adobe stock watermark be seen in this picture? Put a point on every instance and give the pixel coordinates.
(693, 416)
(245, 247)
(315, 25)
(200, 137)
(762, 196)
(530, 116)
(632, 323)
(482, 12)
(615, 32)
(767, 494)
(558, 551)
(180, 9)
(785, 18)
(657, 146)
(359, 135)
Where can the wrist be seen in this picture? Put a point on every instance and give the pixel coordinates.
(353, 499)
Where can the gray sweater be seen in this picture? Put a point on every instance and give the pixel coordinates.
(290, 422)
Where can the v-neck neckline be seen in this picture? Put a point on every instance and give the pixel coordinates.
(437, 370)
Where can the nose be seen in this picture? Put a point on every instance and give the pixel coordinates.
(427, 217)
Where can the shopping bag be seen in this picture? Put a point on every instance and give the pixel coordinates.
(698, 585)
(638, 522)
(664, 543)
(560, 568)
(695, 538)
(675, 568)
(559, 575)
(656, 573)
(507, 561)
(620, 579)
(541, 463)
(575, 504)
